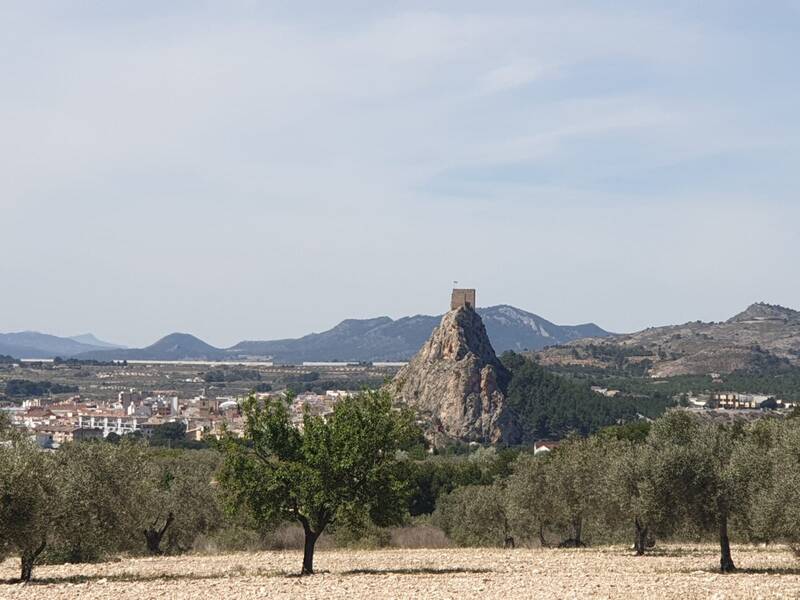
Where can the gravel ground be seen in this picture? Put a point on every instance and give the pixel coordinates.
(675, 572)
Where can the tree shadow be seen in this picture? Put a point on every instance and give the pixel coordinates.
(135, 577)
(740, 571)
(296, 575)
(766, 571)
(675, 552)
(416, 571)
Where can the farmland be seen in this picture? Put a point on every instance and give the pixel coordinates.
(685, 571)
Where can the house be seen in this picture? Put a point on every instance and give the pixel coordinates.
(53, 436)
(608, 393)
(544, 446)
(743, 401)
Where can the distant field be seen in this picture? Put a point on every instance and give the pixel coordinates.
(185, 378)
(673, 572)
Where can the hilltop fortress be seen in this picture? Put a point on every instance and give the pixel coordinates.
(457, 382)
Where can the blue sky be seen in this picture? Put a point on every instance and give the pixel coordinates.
(260, 170)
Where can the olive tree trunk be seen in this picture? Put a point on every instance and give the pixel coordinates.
(640, 543)
(28, 560)
(154, 536)
(726, 561)
(542, 540)
(576, 541)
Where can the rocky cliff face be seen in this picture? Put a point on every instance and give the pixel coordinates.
(458, 384)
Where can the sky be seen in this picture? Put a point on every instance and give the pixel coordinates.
(259, 170)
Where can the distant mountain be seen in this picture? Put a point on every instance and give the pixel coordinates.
(763, 337)
(91, 340)
(32, 344)
(376, 339)
(351, 340)
(175, 346)
(383, 338)
(15, 351)
(510, 328)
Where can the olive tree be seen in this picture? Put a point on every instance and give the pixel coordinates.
(345, 467)
(127, 497)
(29, 503)
(475, 515)
(529, 497)
(772, 459)
(183, 503)
(105, 489)
(578, 482)
(703, 481)
(635, 493)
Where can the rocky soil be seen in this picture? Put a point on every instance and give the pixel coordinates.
(675, 572)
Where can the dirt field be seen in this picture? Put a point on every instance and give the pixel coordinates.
(675, 572)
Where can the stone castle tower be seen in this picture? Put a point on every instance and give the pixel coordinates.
(462, 297)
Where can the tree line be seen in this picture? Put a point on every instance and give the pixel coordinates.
(90, 500)
(687, 477)
(366, 465)
(26, 387)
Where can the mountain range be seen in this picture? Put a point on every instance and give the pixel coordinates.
(383, 338)
(91, 340)
(762, 337)
(376, 339)
(32, 344)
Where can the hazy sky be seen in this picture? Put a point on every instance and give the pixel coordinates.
(243, 169)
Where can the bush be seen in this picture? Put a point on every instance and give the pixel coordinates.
(436, 476)
(368, 537)
(474, 515)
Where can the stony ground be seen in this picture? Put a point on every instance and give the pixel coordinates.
(675, 572)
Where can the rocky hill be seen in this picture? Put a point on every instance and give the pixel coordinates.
(92, 340)
(32, 344)
(175, 346)
(458, 384)
(762, 337)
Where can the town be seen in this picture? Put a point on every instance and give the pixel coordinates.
(139, 400)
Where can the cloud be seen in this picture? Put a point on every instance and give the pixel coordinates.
(511, 76)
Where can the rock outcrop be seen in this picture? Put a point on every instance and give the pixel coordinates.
(458, 384)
